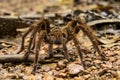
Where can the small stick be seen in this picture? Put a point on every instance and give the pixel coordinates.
(31, 19)
(19, 58)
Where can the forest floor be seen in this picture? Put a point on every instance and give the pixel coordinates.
(108, 35)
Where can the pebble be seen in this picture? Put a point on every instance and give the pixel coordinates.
(62, 74)
(112, 59)
(59, 79)
(118, 74)
(28, 70)
(38, 76)
(87, 76)
(74, 69)
(97, 61)
(31, 77)
(107, 65)
(48, 67)
(10, 76)
(48, 77)
(104, 14)
(78, 78)
(112, 79)
(62, 64)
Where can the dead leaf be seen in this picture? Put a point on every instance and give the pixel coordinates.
(110, 45)
(107, 40)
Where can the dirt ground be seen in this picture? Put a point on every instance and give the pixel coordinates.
(59, 68)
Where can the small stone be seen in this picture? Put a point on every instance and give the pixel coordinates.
(48, 67)
(74, 69)
(39, 77)
(25, 77)
(93, 68)
(87, 58)
(107, 65)
(10, 76)
(62, 64)
(45, 68)
(118, 16)
(1, 65)
(104, 14)
(78, 78)
(28, 70)
(31, 77)
(97, 61)
(118, 74)
(3, 71)
(59, 79)
(88, 63)
(112, 59)
(87, 76)
(63, 74)
(112, 79)
(48, 77)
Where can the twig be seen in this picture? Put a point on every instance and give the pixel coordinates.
(14, 22)
(27, 19)
(19, 58)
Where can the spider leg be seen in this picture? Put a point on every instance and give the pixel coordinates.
(37, 48)
(66, 55)
(50, 49)
(30, 43)
(62, 38)
(75, 40)
(23, 39)
(33, 46)
(93, 39)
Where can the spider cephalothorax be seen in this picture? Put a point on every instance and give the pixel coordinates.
(57, 35)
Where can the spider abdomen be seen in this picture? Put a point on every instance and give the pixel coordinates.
(55, 36)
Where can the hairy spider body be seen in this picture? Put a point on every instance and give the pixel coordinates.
(41, 31)
(56, 37)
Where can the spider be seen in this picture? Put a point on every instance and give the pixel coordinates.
(41, 31)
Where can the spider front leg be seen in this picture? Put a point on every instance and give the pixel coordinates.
(66, 55)
(36, 49)
(78, 48)
(33, 46)
(89, 33)
(23, 39)
(30, 43)
(62, 39)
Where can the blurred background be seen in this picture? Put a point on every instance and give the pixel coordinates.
(34, 7)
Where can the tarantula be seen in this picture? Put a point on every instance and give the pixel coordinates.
(41, 31)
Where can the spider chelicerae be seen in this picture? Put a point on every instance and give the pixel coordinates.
(41, 30)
